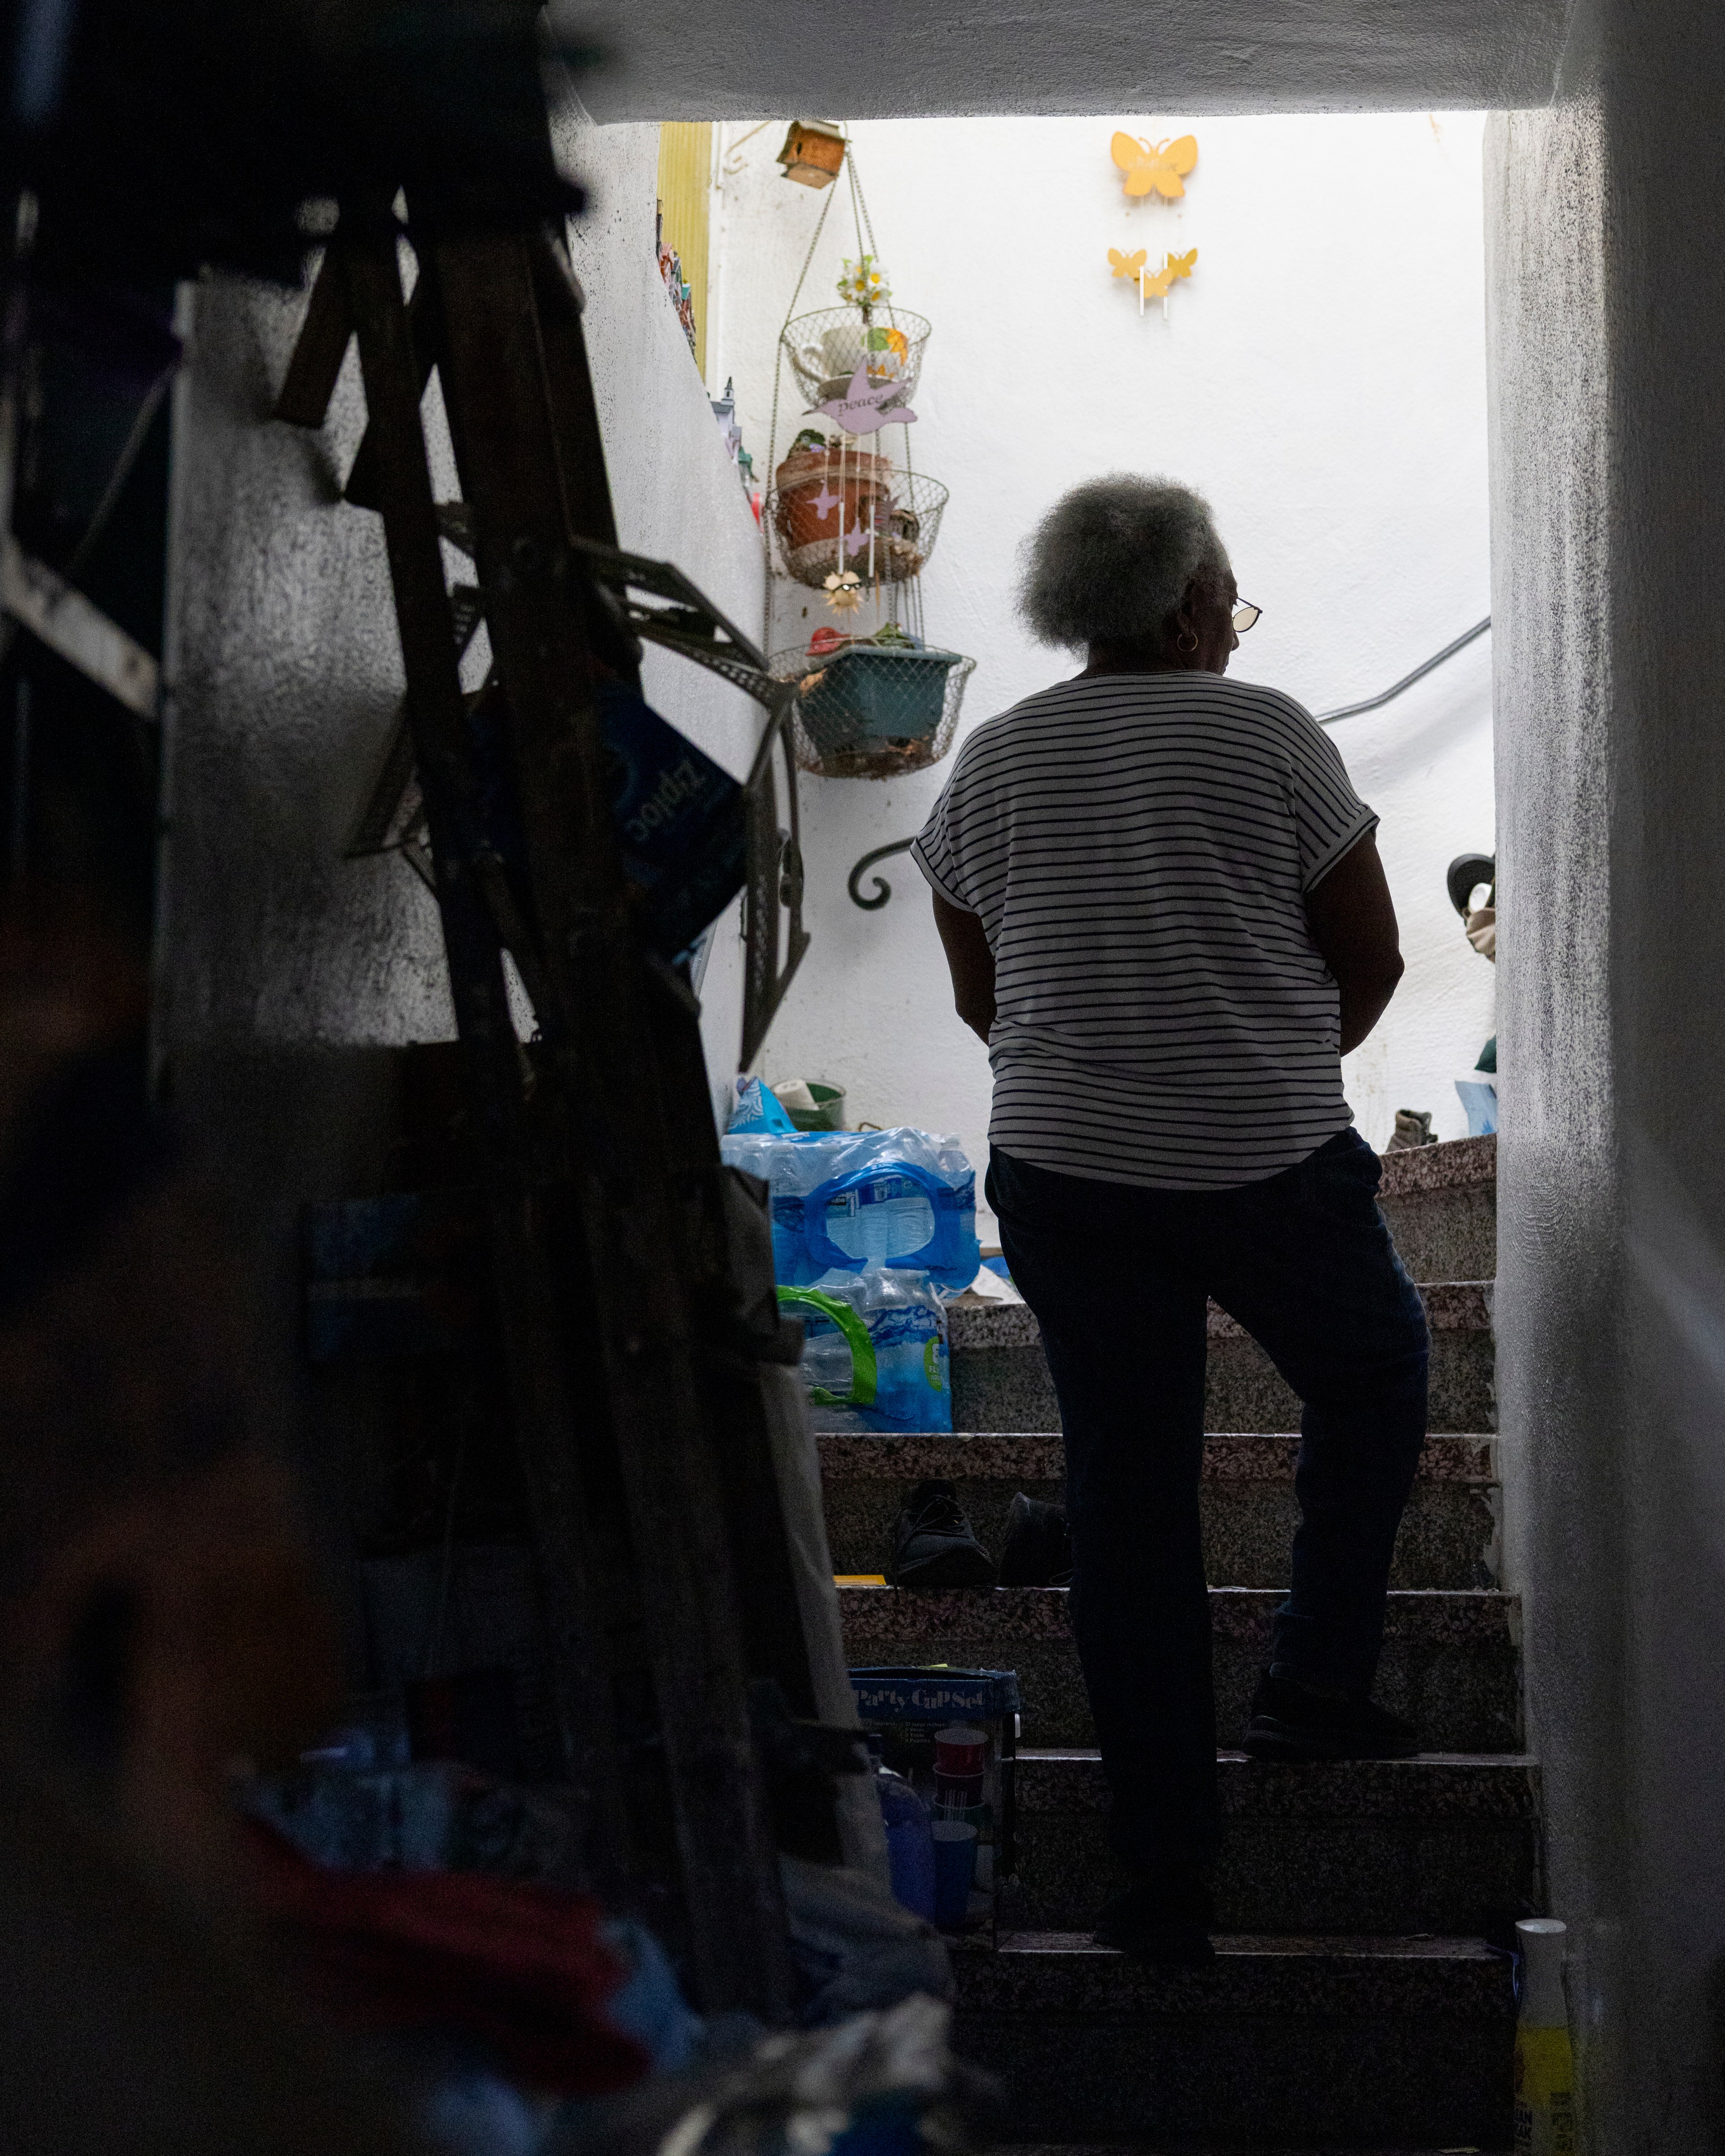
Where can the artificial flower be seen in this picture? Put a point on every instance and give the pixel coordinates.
(863, 285)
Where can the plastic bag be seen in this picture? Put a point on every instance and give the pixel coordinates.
(756, 1109)
(875, 1354)
(845, 1200)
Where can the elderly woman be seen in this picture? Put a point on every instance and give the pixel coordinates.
(1163, 909)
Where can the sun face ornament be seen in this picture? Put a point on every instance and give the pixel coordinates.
(844, 591)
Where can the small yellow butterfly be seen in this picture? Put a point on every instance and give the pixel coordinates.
(1125, 265)
(1181, 265)
(1157, 166)
(1156, 287)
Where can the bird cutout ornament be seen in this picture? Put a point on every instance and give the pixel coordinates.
(844, 591)
(1155, 167)
(825, 502)
(1125, 265)
(866, 407)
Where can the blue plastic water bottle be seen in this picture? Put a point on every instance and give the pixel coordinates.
(910, 1843)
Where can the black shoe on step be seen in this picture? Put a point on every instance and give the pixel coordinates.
(1037, 1549)
(1169, 1923)
(1291, 1720)
(933, 1544)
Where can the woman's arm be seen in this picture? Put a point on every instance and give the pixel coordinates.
(1351, 918)
(971, 963)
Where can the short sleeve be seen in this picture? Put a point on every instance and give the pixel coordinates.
(1329, 816)
(937, 850)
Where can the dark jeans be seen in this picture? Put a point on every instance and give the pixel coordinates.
(1118, 1277)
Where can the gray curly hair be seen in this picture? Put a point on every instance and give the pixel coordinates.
(1111, 560)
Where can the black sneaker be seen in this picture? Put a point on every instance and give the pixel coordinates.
(1290, 1721)
(1166, 1922)
(1038, 1549)
(933, 1545)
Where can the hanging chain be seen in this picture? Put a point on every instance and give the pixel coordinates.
(771, 475)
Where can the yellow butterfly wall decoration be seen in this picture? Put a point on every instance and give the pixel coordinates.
(1155, 284)
(1158, 167)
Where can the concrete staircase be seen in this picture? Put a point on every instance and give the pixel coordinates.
(1355, 2003)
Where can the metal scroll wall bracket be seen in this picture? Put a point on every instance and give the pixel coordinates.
(883, 889)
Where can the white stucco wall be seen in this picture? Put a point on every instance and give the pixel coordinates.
(1320, 377)
(678, 495)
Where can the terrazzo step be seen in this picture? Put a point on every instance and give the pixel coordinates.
(1341, 2041)
(1446, 1842)
(1449, 1534)
(1439, 1203)
(1000, 1379)
(1450, 1658)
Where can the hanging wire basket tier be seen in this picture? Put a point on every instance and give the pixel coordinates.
(873, 710)
(825, 349)
(852, 509)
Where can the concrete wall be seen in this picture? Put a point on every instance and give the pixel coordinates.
(1322, 377)
(285, 970)
(1607, 302)
(672, 63)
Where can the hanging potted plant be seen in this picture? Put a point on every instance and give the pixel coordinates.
(873, 706)
(822, 490)
(836, 507)
(858, 524)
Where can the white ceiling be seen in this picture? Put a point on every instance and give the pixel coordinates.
(845, 59)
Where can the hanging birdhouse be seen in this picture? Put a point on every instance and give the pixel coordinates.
(814, 153)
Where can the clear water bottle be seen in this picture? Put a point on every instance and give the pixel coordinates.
(882, 1220)
(910, 1843)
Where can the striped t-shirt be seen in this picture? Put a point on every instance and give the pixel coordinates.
(1137, 847)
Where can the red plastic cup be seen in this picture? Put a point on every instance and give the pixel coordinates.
(957, 1792)
(960, 1750)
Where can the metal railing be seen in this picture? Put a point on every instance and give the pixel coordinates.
(883, 889)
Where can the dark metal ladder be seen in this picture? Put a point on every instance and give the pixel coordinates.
(632, 1338)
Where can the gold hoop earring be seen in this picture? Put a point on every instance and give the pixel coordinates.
(1186, 641)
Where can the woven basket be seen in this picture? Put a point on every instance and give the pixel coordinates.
(868, 711)
(891, 518)
(826, 349)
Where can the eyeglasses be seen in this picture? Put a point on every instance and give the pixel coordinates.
(1244, 617)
